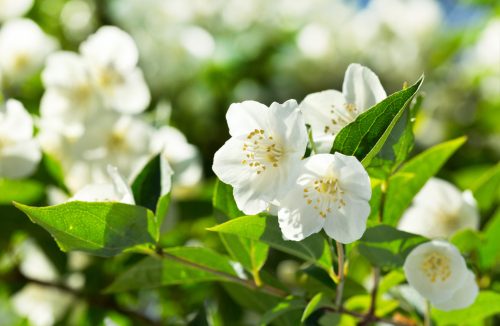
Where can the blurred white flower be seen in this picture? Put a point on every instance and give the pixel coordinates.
(19, 152)
(182, 156)
(41, 305)
(262, 158)
(329, 111)
(439, 210)
(112, 57)
(439, 273)
(14, 8)
(23, 48)
(35, 264)
(117, 191)
(331, 193)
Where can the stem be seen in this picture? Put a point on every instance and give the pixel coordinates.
(340, 285)
(311, 141)
(427, 314)
(371, 316)
(228, 277)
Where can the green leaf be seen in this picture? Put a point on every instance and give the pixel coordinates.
(314, 249)
(148, 188)
(101, 229)
(365, 136)
(390, 280)
(412, 176)
(193, 264)
(286, 306)
(385, 246)
(250, 253)
(466, 240)
(487, 304)
(487, 189)
(55, 170)
(489, 252)
(312, 306)
(25, 191)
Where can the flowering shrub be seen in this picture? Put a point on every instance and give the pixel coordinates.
(347, 207)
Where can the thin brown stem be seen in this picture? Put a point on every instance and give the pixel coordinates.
(340, 285)
(370, 317)
(231, 278)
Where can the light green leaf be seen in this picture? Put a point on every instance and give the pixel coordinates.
(101, 229)
(312, 306)
(390, 280)
(412, 176)
(25, 191)
(365, 136)
(286, 306)
(489, 252)
(466, 240)
(314, 249)
(487, 304)
(487, 189)
(193, 264)
(250, 253)
(385, 246)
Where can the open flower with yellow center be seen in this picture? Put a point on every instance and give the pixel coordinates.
(437, 271)
(329, 111)
(439, 210)
(262, 157)
(331, 193)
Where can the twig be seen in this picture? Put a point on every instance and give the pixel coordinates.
(371, 316)
(340, 285)
(94, 300)
(231, 278)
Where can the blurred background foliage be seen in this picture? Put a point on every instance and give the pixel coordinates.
(199, 56)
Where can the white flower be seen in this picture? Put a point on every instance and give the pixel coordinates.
(439, 273)
(14, 8)
(261, 159)
(329, 111)
(182, 156)
(112, 57)
(331, 193)
(19, 152)
(70, 97)
(439, 210)
(116, 191)
(23, 48)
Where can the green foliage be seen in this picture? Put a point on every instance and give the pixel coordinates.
(411, 177)
(287, 306)
(387, 247)
(365, 136)
(486, 189)
(26, 191)
(314, 249)
(181, 265)
(487, 304)
(101, 229)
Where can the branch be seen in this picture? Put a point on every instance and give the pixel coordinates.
(231, 278)
(370, 316)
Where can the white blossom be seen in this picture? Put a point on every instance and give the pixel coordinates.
(439, 210)
(14, 8)
(438, 272)
(116, 191)
(112, 57)
(329, 111)
(23, 48)
(331, 193)
(19, 152)
(262, 157)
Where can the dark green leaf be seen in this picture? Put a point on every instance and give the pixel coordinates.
(286, 306)
(312, 306)
(365, 136)
(412, 176)
(101, 229)
(194, 264)
(385, 246)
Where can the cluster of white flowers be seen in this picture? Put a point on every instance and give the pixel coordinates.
(263, 161)
(439, 210)
(438, 272)
(90, 118)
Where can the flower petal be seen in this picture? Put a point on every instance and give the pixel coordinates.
(246, 116)
(228, 164)
(299, 223)
(362, 87)
(463, 296)
(348, 223)
(16, 123)
(19, 160)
